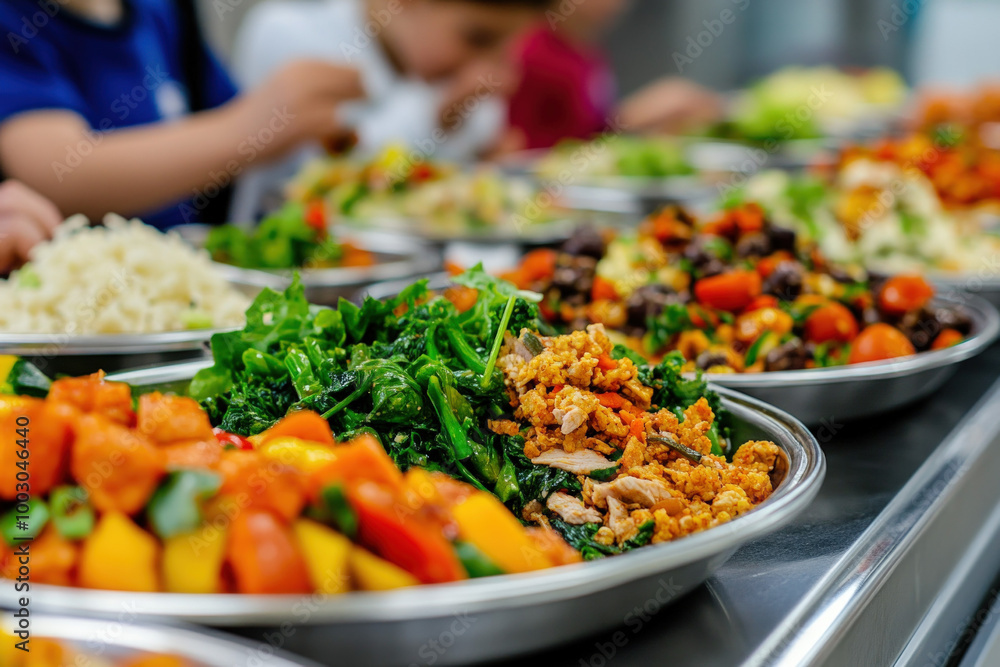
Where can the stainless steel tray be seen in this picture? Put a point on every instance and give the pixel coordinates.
(861, 390)
(121, 638)
(396, 257)
(489, 618)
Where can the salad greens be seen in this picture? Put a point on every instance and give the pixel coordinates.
(288, 238)
(412, 370)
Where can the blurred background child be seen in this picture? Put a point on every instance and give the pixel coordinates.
(115, 106)
(567, 87)
(433, 72)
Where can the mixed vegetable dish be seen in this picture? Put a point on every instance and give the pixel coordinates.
(616, 156)
(416, 440)
(398, 186)
(46, 652)
(735, 294)
(296, 236)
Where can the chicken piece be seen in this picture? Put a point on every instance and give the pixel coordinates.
(631, 490)
(580, 462)
(619, 521)
(572, 510)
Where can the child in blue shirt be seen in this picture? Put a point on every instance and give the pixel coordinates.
(118, 106)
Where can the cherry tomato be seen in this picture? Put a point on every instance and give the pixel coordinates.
(762, 301)
(603, 289)
(832, 322)
(947, 338)
(767, 265)
(237, 441)
(901, 294)
(538, 265)
(879, 341)
(316, 215)
(731, 291)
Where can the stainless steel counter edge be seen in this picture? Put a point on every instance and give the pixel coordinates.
(822, 622)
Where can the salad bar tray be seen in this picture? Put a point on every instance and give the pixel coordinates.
(486, 618)
(888, 566)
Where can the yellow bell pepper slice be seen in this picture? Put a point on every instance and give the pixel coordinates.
(120, 556)
(371, 573)
(326, 552)
(7, 362)
(484, 522)
(297, 453)
(192, 562)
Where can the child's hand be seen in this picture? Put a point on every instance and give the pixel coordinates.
(670, 106)
(474, 84)
(298, 104)
(26, 219)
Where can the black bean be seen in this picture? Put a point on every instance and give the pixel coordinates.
(785, 282)
(708, 358)
(781, 238)
(585, 241)
(788, 356)
(753, 245)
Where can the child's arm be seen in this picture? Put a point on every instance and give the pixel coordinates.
(669, 105)
(26, 219)
(143, 168)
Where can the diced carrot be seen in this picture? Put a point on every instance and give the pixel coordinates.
(731, 291)
(606, 363)
(761, 302)
(304, 424)
(463, 298)
(767, 265)
(611, 400)
(637, 429)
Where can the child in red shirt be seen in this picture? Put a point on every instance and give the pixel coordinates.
(567, 88)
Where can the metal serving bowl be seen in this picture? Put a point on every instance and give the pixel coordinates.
(488, 618)
(395, 257)
(844, 393)
(862, 390)
(119, 637)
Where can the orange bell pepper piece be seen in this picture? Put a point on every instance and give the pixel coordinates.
(406, 541)
(304, 424)
(363, 459)
(117, 466)
(166, 419)
(53, 558)
(93, 394)
(261, 484)
(264, 556)
(49, 435)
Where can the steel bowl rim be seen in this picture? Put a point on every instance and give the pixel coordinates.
(807, 467)
(187, 641)
(986, 321)
(29, 344)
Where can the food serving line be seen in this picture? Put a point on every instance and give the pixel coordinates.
(880, 544)
(889, 565)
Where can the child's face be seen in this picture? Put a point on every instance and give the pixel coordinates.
(599, 13)
(433, 39)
